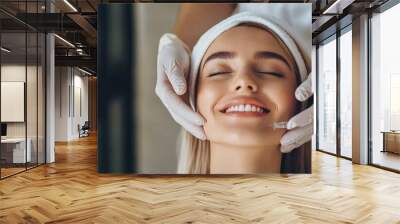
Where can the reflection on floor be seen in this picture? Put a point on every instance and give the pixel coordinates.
(11, 169)
(71, 191)
(347, 152)
(387, 159)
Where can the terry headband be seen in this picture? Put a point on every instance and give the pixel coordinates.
(244, 17)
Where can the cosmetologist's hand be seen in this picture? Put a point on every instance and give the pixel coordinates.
(300, 126)
(173, 65)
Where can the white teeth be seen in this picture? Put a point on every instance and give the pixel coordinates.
(245, 108)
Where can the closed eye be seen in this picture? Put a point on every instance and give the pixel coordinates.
(280, 75)
(217, 73)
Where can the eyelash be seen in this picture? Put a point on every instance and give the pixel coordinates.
(217, 73)
(279, 75)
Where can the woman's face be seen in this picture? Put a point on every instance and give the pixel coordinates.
(247, 81)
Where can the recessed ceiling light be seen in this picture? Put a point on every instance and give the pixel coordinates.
(84, 71)
(5, 50)
(64, 40)
(70, 5)
(338, 6)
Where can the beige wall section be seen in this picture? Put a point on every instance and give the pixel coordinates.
(360, 90)
(61, 115)
(70, 87)
(17, 73)
(156, 130)
(92, 99)
(34, 99)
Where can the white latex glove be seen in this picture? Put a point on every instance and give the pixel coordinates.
(172, 69)
(301, 125)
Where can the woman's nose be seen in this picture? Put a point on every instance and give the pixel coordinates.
(245, 83)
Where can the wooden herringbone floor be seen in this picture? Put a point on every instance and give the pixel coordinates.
(70, 191)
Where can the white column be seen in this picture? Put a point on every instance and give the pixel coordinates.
(360, 90)
(50, 92)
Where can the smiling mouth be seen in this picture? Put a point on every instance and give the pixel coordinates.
(245, 108)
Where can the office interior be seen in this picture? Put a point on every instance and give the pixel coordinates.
(49, 84)
(361, 86)
(45, 88)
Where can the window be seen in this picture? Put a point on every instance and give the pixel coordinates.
(346, 92)
(385, 89)
(327, 96)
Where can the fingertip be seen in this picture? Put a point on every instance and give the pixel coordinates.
(300, 95)
(291, 124)
(179, 84)
(284, 141)
(196, 118)
(180, 89)
(201, 136)
(199, 121)
(284, 149)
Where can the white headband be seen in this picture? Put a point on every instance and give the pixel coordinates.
(244, 17)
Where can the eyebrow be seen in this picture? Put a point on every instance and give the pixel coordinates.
(259, 54)
(220, 55)
(272, 55)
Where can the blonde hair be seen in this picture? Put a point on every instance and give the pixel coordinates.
(194, 154)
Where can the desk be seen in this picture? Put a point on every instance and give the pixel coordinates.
(391, 141)
(15, 148)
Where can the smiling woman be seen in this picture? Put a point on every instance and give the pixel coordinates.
(244, 81)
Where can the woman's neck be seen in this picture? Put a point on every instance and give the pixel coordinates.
(228, 159)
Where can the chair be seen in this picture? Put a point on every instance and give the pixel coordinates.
(84, 130)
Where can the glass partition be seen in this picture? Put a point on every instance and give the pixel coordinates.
(31, 99)
(14, 153)
(327, 96)
(22, 92)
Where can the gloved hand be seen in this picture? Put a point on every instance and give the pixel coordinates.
(301, 125)
(172, 70)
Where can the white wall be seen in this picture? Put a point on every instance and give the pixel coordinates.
(16, 72)
(69, 81)
(33, 126)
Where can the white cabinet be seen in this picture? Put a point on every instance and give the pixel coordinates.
(18, 149)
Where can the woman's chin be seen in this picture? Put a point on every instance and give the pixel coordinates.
(246, 138)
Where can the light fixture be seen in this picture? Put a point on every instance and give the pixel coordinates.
(65, 41)
(5, 50)
(70, 5)
(84, 71)
(337, 7)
